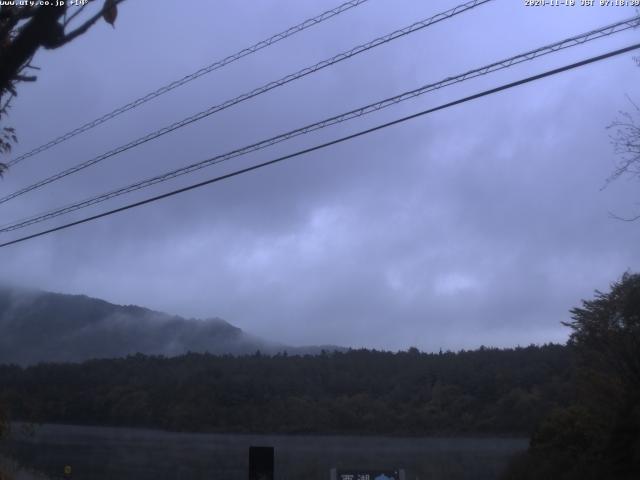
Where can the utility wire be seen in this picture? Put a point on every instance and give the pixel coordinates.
(188, 78)
(484, 93)
(258, 91)
(367, 109)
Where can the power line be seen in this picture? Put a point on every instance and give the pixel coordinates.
(367, 109)
(258, 91)
(188, 78)
(484, 93)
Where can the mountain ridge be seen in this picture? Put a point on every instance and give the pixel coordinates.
(40, 326)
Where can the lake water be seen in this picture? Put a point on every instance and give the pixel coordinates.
(102, 453)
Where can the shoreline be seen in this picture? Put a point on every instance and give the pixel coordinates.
(369, 435)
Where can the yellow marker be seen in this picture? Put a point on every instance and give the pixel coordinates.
(67, 469)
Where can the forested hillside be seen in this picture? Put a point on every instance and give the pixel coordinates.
(74, 328)
(359, 391)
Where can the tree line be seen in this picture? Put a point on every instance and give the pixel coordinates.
(485, 391)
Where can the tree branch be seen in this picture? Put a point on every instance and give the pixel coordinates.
(85, 26)
(43, 29)
(624, 219)
(77, 12)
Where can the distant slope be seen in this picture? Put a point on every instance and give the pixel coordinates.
(38, 326)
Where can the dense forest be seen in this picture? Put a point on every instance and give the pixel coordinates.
(358, 391)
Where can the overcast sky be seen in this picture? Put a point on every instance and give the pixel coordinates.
(481, 224)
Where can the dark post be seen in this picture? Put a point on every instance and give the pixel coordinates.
(260, 463)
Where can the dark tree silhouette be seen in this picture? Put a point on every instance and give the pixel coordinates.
(599, 435)
(26, 28)
(606, 336)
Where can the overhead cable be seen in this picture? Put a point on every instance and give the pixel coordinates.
(365, 110)
(246, 96)
(192, 76)
(484, 93)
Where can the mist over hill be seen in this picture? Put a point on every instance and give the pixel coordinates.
(38, 326)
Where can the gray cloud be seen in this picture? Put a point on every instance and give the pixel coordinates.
(481, 224)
